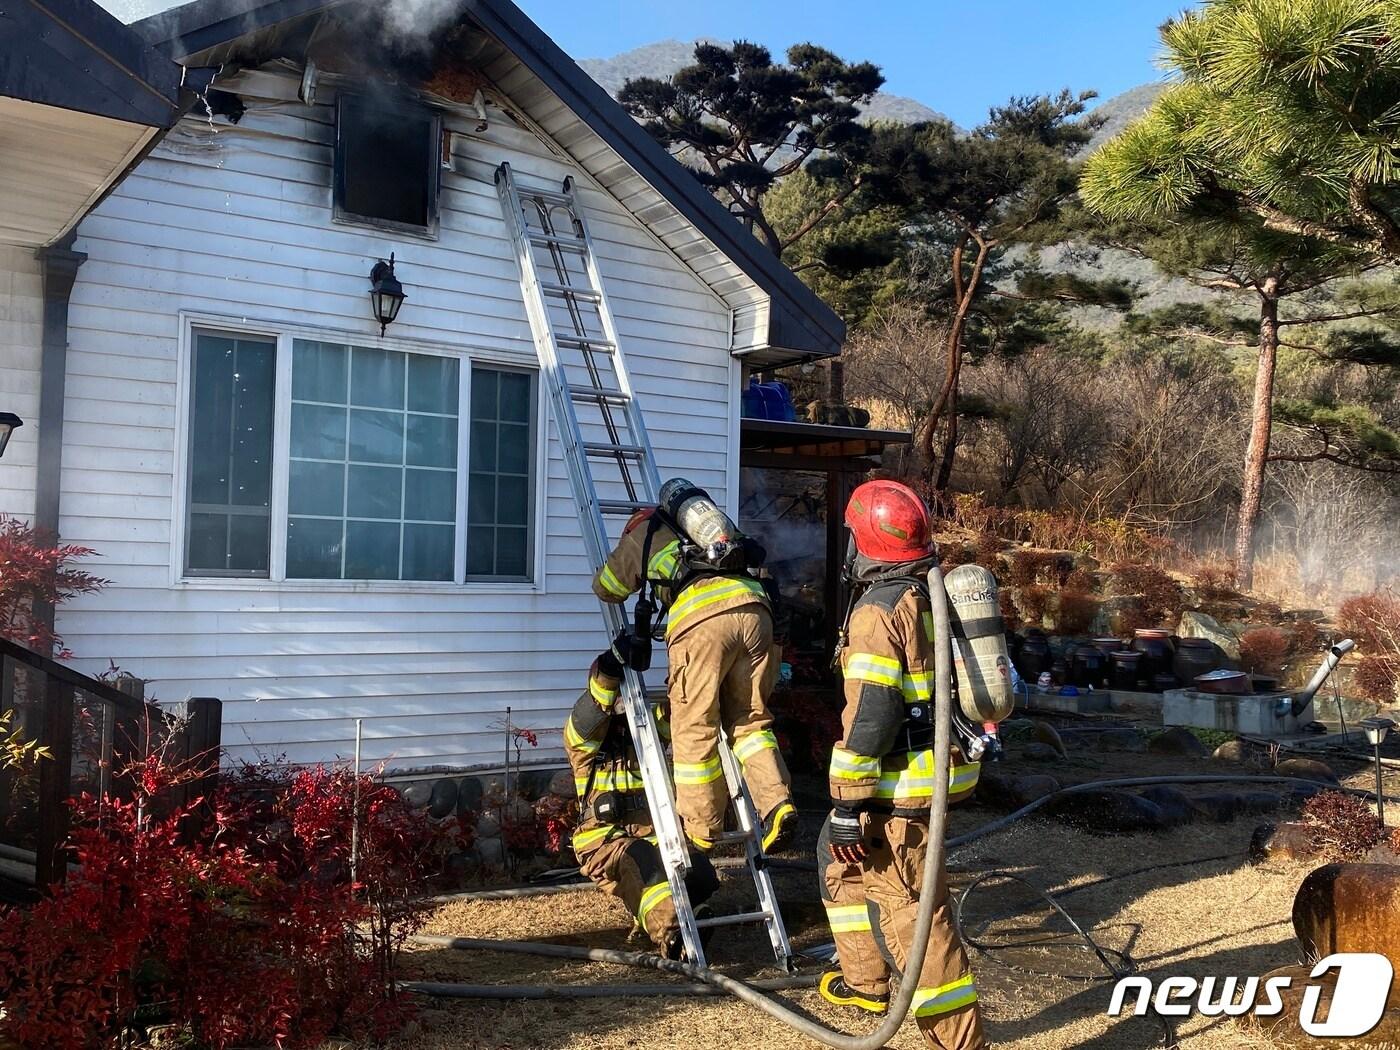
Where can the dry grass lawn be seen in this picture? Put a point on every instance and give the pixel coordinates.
(1217, 916)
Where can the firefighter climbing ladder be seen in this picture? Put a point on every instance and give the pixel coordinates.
(612, 473)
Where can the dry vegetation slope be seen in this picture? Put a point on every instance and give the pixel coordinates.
(1218, 917)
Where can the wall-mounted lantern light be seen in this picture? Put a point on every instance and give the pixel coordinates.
(9, 423)
(385, 293)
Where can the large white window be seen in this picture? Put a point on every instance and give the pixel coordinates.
(382, 477)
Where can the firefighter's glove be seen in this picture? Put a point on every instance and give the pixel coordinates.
(846, 837)
(615, 658)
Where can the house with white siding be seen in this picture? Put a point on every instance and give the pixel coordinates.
(308, 517)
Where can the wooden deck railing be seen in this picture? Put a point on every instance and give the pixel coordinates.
(94, 732)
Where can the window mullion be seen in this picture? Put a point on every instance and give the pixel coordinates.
(281, 458)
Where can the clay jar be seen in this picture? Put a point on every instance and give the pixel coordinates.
(1155, 645)
(1195, 656)
(1087, 666)
(1123, 669)
(1034, 656)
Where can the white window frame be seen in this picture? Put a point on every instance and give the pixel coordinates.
(284, 335)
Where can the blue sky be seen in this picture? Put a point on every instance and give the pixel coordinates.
(958, 56)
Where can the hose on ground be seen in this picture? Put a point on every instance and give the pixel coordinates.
(923, 926)
(447, 990)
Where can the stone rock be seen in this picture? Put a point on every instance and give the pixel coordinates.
(562, 784)
(469, 794)
(1283, 843)
(1174, 803)
(1045, 733)
(1038, 752)
(1236, 750)
(1119, 740)
(493, 786)
(516, 810)
(1349, 908)
(994, 789)
(1107, 812)
(419, 794)
(1381, 853)
(1307, 769)
(1178, 740)
(443, 799)
(491, 851)
(1283, 1029)
(1199, 625)
(1027, 789)
(534, 784)
(1115, 614)
(488, 825)
(1221, 807)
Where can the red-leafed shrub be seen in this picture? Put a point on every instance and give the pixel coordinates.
(1347, 827)
(35, 570)
(250, 932)
(1373, 620)
(1034, 601)
(1303, 637)
(1161, 597)
(1263, 649)
(985, 551)
(1214, 579)
(1076, 612)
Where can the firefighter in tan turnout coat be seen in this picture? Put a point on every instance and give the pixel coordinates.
(872, 848)
(719, 641)
(614, 840)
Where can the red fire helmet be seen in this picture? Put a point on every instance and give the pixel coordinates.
(889, 522)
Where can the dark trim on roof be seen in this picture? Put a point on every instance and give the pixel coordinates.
(798, 319)
(71, 54)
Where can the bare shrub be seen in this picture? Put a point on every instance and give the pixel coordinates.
(1076, 611)
(1263, 649)
(1346, 826)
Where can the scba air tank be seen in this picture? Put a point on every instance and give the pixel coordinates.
(979, 652)
(702, 522)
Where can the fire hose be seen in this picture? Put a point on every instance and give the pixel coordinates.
(933, 861)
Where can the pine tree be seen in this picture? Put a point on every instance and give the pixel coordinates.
(742, 122)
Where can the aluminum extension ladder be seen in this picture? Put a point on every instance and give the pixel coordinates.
(612, 473)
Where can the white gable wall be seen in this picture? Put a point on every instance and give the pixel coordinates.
(237, 223)
(21, 328)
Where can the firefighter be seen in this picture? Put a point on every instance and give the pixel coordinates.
(872, 848)
(614, 842)
(723, 666)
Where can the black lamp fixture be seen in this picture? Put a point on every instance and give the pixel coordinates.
(1377, 729)
(9, 423)
(385, 293)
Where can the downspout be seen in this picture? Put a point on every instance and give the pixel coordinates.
(60, 267)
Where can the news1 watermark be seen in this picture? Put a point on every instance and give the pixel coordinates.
(1359, 995)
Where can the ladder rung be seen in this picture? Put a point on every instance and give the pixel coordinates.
(734, 920)
(599, 394)
(629, 451)
(585, 342)
(621, 506)
(587, 295)
(730, 836)
(571, 244)
(547, 195)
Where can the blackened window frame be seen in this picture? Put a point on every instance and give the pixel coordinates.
(432, 161)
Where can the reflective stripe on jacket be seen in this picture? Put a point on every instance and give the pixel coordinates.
(594, 717)
(887, 666)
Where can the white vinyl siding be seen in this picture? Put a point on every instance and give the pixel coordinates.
(233, 228)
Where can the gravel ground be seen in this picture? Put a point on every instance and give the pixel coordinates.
(1212, 915)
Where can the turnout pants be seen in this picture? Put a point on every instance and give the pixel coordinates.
(872, 908)
(630, 869)
(722, 671)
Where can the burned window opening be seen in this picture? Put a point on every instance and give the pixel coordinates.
(386, 163)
